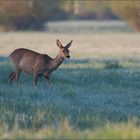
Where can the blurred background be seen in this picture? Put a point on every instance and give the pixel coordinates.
(44, 15)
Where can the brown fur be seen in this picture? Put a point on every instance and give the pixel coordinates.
(35, 63)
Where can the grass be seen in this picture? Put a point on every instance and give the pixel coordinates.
(65, 131)
(89, 98)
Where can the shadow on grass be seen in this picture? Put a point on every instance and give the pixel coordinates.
(87, 96)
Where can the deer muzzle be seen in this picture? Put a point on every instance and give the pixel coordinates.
(68, 56)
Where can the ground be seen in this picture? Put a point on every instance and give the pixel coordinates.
(95, 94)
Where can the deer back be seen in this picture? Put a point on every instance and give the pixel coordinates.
(28, 60)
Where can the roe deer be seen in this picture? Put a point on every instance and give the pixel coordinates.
(35, 63)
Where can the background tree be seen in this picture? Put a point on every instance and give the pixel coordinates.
(129, 11)
(20, 15)
(11, 12)
(33, 14)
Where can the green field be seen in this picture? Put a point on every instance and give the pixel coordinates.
(95, 94)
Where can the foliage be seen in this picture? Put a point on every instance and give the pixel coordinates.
(88, 10)
(129, 11)
(12, 12)
(19, 15)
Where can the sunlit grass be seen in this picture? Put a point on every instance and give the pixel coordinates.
(98, 45)
(65, 131)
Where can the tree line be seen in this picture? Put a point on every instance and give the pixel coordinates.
(32, 14)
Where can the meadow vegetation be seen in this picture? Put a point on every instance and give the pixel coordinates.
(95, 94)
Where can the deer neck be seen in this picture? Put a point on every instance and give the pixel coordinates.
(56, 62)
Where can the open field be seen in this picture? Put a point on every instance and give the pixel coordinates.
(95, 94)
(99, 45)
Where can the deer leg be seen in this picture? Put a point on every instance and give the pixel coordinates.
(18, 72)
(35, 79)
(12, 76)
(48, 79)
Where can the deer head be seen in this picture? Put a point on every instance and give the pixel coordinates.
(64, 51)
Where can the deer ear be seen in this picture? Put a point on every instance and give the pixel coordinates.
(58, 43)
(69, 44)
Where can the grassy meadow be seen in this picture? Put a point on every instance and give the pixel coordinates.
(95, 94)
